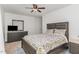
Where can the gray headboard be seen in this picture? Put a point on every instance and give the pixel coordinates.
(60, 25)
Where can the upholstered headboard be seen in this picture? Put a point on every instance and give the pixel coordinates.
(60, 25)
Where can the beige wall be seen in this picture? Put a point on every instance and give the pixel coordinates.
(2, 50)
(70, 14)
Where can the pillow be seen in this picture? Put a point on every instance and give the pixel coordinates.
(60, 31)
(49, 31)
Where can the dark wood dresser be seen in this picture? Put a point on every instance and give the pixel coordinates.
(13, 36)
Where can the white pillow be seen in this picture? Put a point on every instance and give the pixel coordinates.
(49, 31)
(60, 31)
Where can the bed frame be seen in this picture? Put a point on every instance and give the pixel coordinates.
(61, 25)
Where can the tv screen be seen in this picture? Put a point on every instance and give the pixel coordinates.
(12, 28)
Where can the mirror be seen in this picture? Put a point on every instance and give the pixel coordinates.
(19, 24)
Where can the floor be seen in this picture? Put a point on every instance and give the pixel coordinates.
(15, 48)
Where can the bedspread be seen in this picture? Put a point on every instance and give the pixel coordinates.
(42, 43)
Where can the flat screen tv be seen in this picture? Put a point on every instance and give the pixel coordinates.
(12, 28)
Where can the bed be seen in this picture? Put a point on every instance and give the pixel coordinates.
(47, 43)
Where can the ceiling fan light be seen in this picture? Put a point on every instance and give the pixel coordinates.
(35, 10)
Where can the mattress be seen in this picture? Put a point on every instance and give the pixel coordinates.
(43, 43)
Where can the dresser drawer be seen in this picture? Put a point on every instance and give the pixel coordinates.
(16, 36)
(74, 48)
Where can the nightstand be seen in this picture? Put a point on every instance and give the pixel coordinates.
(74, 45)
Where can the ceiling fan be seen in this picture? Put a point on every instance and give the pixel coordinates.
(35, 8)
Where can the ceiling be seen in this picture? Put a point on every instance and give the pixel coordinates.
(20, 8)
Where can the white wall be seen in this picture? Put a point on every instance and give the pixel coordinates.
(31, 24)
(70, 14)
(1, 33)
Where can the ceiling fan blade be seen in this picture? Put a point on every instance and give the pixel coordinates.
(38, 10)
(35, 6)
(41, 8)
(32, 11)
(28, 8)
